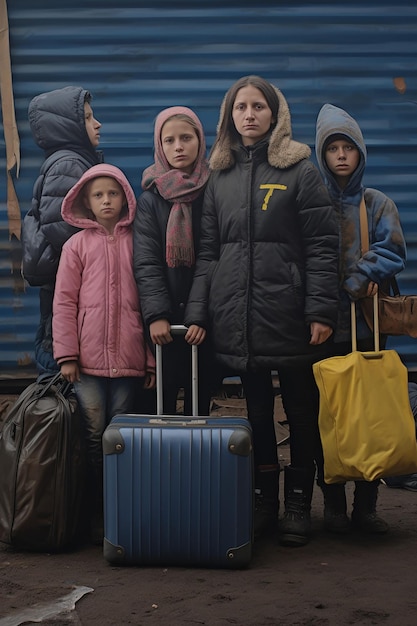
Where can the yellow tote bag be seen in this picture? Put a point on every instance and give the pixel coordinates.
(366, 424)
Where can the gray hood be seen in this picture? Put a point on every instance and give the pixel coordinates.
(332, 120)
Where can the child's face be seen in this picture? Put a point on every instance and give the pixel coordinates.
(180, 144)
(106, 199)
(342, 158)
(92, 125)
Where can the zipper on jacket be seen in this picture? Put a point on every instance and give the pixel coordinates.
(250, 257)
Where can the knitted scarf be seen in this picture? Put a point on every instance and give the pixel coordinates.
(179, 188)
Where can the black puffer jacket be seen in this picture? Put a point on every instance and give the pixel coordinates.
(163, 291)
(267, 265)
(57, 122)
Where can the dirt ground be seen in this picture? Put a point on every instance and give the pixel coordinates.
(333, 581)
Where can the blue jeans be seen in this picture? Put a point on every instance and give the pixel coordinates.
(100, 399)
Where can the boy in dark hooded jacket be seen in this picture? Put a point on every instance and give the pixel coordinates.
(64, 127)
(341, 155)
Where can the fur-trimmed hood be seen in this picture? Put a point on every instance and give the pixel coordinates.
(283, 151)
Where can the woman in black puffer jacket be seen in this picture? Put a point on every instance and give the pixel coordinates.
(266, 285)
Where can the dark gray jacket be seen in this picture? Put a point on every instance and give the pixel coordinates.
(57, 122)
(163, 291)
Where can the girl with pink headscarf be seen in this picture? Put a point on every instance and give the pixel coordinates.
(166, 238)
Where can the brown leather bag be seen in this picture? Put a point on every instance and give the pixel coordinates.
(397, 313)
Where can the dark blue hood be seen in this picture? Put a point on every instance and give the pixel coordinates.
(57, 121)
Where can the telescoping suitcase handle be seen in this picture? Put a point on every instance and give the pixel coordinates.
(177, 329)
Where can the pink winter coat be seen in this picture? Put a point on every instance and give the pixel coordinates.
(96, 313)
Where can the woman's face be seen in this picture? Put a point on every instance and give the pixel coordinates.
(180, 144)
(251, 115)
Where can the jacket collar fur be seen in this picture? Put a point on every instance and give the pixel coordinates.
(283, 151)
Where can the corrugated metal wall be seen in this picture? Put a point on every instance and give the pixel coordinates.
(139, 57)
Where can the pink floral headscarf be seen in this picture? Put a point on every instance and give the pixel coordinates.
(179, 188)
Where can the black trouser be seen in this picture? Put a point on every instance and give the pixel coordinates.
(300, 398)
(176, 374)
(259, 394)
(300, 401)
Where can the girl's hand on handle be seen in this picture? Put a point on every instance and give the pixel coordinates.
(195, 335)
(319, 333)
(372, 289)
(70, 371)
(160, 332)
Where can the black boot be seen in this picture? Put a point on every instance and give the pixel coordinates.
(266, 500)
(364, 515)
(295, 526)
(335, 518)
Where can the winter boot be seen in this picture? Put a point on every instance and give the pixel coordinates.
(295, 526)
(266, 499)
(335, 518)
(364, 515)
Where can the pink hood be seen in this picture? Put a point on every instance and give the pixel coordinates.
(73, 209)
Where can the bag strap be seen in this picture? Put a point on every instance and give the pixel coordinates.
(353, 326)
(353, 323)
(57, 380)
(363, 220)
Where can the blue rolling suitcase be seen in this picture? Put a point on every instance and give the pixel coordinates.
(178, 490)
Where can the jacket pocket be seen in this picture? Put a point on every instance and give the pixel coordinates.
(80, 321)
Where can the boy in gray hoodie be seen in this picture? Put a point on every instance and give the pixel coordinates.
(341, 155)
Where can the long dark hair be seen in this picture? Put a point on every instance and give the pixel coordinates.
(226, 128)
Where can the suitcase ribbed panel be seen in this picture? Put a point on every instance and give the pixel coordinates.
(177, 494)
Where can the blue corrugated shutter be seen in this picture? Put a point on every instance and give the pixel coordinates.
(139, 57)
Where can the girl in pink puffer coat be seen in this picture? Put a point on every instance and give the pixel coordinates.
(98, 335)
